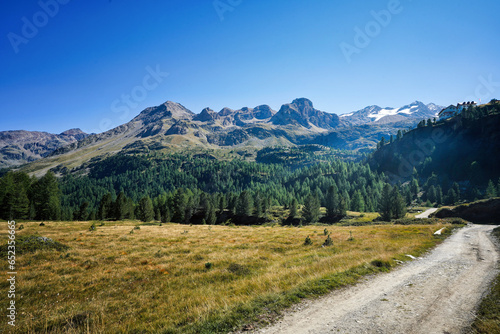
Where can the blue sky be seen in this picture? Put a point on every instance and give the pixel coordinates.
(97, 64)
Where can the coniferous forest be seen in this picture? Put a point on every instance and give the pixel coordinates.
(203, 189)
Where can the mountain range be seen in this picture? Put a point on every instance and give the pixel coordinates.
(171, 126)
(376, 114)
(18, 147)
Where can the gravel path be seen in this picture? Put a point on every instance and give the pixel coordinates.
(426, 213)
(434, 294)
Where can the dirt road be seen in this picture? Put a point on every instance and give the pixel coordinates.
(426, 213)
(434, 294)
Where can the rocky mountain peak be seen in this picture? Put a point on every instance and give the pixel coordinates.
(168, 109)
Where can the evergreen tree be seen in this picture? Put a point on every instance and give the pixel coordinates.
(244, 205)
(145, 209)
(398, 209)
(439, 195)
(451, 197)
(82, 213)
(332, 202)
(46, 197)
(293, 209)
(357, 202)
(385, 203)
(104, 211)
(311, 209)
(456, 188)
(180, 204)
(490, 190)
(211, 217)
(120, 206)
(258, 206)
(399, 135)
(431, 194)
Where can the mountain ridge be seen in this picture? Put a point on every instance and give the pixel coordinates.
(171, 126)
(377, 114)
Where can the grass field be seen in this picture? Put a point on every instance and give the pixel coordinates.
(191, 279)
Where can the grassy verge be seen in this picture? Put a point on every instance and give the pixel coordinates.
(488, 316)
(191, 279)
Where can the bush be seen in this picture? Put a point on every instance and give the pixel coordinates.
(328, 242)
(208, 265)
(308, 241)
(381, 264)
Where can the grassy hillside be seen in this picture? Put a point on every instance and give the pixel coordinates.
(191, 279)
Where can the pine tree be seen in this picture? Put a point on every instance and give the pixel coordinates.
(490, 190)
(332, 202)
(293, 209)
(385, 203)
(120, 206)
(145, 209)
(357, 202)
(82, 213)
(451, 197)
(431, 194)
(311, 209)
(180, 202)
(398, 209)
(399, 135)
(104, 210)
(211, 217)
(46, 196)
(244, 205)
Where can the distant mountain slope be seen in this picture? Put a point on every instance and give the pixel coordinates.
(19, 147)
(172, 127)
(464, 148)
(375, 114)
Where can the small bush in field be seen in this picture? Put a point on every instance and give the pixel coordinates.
(208, 265)
(328, 241)
(308, 241)
(325, 231)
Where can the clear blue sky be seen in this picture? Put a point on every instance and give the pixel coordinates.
(78, 66)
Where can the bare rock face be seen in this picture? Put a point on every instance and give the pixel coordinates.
(206, 115)
(301, 112)
(20, 147)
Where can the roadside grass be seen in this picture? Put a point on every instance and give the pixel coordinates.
(191, 279)
(488, 315)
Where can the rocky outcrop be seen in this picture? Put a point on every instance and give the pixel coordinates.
(302, 113)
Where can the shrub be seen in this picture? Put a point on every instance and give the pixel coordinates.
(328, 242)
(208, 265)
(381, 264)
(92, 227)
(308, 241)
(325, 231)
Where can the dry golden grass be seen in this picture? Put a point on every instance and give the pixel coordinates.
(155, 280)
